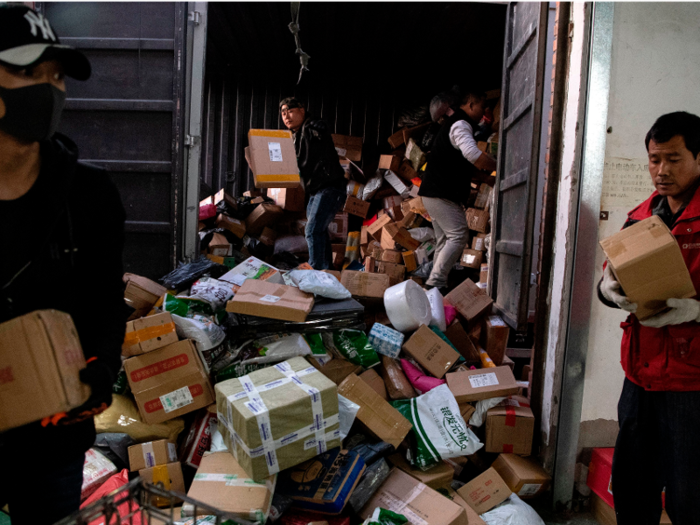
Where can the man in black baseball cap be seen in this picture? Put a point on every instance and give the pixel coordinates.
(43, 194)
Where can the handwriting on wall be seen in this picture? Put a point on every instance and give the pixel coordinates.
(626, 183)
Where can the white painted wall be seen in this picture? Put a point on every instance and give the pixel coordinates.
(654, 70)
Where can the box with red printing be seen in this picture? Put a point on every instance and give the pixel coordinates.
(600, 474)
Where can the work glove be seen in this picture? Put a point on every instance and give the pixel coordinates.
(98, 376)
(681, 311)
(610, 288)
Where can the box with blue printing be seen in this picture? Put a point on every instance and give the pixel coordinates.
(385, 340)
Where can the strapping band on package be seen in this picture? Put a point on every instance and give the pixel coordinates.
(232, 480)
(257, 406)
(149, 458)
(150, 332)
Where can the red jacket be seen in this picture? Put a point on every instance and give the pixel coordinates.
(667, 358)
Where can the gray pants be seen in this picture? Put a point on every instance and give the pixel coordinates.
(452, 233)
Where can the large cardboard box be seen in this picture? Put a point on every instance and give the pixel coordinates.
(348, 147)
(422, 505)
(355, 206)
(151, 454)
(148, 334)
(437, 477)
(223, 484)
(40, 357)
(524, 476)
(365, 285)
(485, 491)
(252, 268)
(377, 415)
(235, 226)
(274, 301)
(471, 258)
(263, 215)
(431, 352)
(470, 301)
(478, 220)
(494, 338)
(484, 383)
(290, 199)
(272, 159)
(648, 263)
(510, 429)
(278, 417)
(141, 294)
(169, 382)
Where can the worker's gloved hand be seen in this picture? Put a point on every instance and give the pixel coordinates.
(610, 288)
(682, 311)
(98, 376)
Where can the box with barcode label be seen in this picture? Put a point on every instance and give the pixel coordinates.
(484, 383)
(278, 417)
(169, 382)
(272, 158)
(524, 476)
(151, 454)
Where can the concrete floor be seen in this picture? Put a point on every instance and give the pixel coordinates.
(550, 518)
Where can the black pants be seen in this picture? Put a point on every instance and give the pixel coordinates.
(658, 446)
(42, 494)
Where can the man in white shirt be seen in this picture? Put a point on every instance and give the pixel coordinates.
(454, 161)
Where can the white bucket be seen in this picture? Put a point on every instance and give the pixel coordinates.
(407, 306)
(437, 309)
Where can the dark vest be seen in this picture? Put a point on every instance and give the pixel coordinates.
(448, 174)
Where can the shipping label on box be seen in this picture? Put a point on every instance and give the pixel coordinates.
(524, 476)
(484, 383)
(148, 334)
(270, 300)
(471, 259)
(151, 454)
(485, 491)
(272, 159)
(355, 206)
(431, 352)
(363, 284)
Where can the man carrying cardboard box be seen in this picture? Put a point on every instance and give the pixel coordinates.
(454, 161)
(323, 177)
(660, 401)
(39, 170)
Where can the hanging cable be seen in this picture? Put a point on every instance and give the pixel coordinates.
(294, 28)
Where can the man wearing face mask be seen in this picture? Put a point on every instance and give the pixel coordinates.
(61, 240)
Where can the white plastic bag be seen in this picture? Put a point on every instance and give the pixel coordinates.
(205, 333)
(212, 291)
(422, 234)
(319, 283)
(483, 406)
(347, 411)
(277, 348)
(437, 309)
(512, 511)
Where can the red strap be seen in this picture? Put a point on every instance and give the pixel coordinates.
(510, 416)
(507, 449)
(93, 358)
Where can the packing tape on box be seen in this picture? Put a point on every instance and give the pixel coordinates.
(281, 134)
(510, 416)
(257, 406)
(150, 332)
(160, 474)
(277, 178)
(149, 458)
(394, 504)
(232, 480)
(273, 384)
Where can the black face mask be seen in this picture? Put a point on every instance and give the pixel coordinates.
(32, 113)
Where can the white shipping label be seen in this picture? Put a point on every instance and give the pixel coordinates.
(469, 259)
(172, 452)
(275, 151)
(176, 399)
(530, 489)
(270, 298)
(341, 151)
(496, 321)
(483, 380)
(238, 279)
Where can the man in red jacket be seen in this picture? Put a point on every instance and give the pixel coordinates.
(659, 409)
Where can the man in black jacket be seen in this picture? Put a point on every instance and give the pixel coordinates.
(454, 161)
(323, 177)
(61, 240)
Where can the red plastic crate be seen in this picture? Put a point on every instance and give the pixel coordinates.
(600, 474)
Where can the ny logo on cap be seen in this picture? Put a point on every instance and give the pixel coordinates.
(37, 21)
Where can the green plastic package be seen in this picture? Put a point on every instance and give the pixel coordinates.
(382, 516)
(352, 345)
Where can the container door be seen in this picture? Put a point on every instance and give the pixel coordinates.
(519, 146)
(127, 117)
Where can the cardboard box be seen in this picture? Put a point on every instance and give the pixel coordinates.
(440, 476)
(478, 220)
(600, 473)
(510, 429)
(252, 268)
(290, 199)
(391, 256)
(222, 483)
(218, 197)
(396, 139)
(396, 272)
(365, 285)
(470, 301)
(416, 132)
(524, 476)
(333, 273)
(406, 171)
(485, 491)
(400, 186)
(420, 504)
(471, 258)
(268, 236)
(169, 382)
(400, 236)
(479, 242)
(409, 261)
(151, 454)
(233, 225)
(292, 410)
(338, 369)
(272, 159)
(338, 228)
(270, 300)
(431, 352)
(390, 162)
(148, 334)
(483, 383)
(604, 513)
(494, 338)
(323, 484)
(372, 378)
(378, 416)
(462, 342)
(483, 198)
(472, 517)
(466, 410)
(141, 294)
(370, 265)
(170, 475)
(410, 220)
(395, 213)
(355, 206)
(648, 263)
(263, 215)
(484, 273)
(348, 147)
(40, 357)
(219, 246)
(375, 229)
(252, 193)
(364, 235)
(198, 440)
